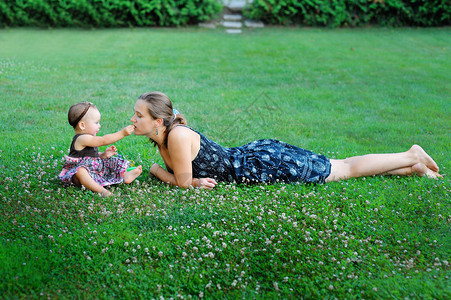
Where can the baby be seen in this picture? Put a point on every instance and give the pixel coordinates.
(84, 165)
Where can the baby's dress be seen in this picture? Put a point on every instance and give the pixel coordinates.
(262, 161)
(105, 171)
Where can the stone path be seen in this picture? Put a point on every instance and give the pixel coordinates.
(232, 19)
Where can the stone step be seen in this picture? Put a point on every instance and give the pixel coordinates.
(231, 24)
(232, 17)
(234, 31)
(235, 5)
(210, 25)
(253, 24)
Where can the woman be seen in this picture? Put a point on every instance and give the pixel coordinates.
(191, 159)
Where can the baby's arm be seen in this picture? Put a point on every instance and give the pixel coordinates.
(87, 140)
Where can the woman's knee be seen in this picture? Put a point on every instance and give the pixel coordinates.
(340, 170)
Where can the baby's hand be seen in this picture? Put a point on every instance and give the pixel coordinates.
(110, 151)
(128, 130)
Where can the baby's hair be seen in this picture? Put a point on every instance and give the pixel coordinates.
(78, 111)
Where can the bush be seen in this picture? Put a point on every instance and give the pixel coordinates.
(335, 13)
(106, 13)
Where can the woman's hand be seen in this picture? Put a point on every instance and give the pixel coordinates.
(205, 183)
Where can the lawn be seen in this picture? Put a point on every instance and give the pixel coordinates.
(337, 92)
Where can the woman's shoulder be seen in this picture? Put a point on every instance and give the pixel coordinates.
(182, 132)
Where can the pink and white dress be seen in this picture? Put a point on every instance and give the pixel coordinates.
(105, 171)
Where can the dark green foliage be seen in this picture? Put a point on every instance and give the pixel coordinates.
(335, 13)
(105, 13)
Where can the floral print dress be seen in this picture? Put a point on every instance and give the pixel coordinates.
(105, 172)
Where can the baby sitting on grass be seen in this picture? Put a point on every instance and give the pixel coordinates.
(84, 165)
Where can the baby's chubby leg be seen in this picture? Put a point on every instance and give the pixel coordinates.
(83, 178)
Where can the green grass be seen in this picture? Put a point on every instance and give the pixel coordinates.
(337, 92)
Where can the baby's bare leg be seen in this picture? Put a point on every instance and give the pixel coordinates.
(132, 175)
(83, 178)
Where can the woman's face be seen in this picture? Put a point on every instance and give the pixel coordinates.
(143, 121)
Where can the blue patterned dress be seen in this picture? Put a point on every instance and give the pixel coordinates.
(262, 161)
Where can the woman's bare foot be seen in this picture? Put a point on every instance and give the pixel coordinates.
(132, 175)
(424, 158)
(421, 170)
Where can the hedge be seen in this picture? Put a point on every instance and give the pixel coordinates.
(136, 13)
(106, 13)
(336, 13)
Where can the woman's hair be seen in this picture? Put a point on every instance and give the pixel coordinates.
(78, 111)
(159, 106)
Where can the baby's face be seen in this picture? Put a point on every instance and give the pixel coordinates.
(92, 121)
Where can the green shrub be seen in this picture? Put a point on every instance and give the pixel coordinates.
(335, 13)
(106, 13)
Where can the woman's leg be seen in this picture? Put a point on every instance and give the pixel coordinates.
(419, 169)
(403, 163)
(83, 178)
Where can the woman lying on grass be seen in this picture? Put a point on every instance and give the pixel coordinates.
(191, 159)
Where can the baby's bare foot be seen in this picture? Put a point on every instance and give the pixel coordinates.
(132, 175)
(424, 158)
